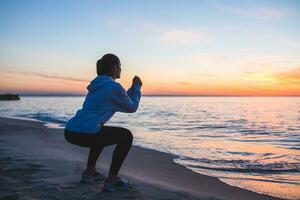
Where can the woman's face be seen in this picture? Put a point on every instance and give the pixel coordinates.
(118, 71)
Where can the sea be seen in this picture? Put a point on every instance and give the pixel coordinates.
(249, 142)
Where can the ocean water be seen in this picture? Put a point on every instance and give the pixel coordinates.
(250, 142)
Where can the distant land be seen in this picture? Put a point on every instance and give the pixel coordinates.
(50, 94)
(9, 96)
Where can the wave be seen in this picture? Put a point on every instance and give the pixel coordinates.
(5, 110)
(245, 170)
(239, 165)
(288, 181)
(237, 121)
(46, 117)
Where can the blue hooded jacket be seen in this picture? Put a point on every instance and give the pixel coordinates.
(104, 98)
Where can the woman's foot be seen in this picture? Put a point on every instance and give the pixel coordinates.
(112, 184)
(92, 177)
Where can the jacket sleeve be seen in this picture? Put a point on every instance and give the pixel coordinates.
(123, 101)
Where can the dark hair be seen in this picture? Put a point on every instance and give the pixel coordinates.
(105, 65)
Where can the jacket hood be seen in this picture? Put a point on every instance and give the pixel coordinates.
(99, 82)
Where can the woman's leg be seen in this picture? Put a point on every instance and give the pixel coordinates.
(85, 140)
(110, 135)
(123, 146)
(94, 153)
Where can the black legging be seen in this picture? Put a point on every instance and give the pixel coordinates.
(108, 135)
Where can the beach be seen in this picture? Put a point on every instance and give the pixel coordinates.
(209, 90)
(38, 163)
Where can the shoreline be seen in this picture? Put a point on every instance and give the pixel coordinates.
(144, 166)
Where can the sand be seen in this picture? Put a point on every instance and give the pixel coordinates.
(38, 163)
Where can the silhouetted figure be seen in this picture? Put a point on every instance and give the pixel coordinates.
(86, 129)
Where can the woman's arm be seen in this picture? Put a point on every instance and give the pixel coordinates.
(123, 101)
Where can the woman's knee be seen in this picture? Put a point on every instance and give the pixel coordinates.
(128, 137)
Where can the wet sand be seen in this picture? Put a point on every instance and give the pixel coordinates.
(36, 162)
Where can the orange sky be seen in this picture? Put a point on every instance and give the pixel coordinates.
(248, 84)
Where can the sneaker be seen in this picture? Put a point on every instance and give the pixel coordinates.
(119, 183)
(97, 176)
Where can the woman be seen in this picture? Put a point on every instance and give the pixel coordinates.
(86, 128)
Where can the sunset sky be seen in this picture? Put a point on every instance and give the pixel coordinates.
(207, 47)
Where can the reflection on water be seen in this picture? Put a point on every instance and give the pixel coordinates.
(252, 142)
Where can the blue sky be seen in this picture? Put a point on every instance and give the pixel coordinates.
(167, 43)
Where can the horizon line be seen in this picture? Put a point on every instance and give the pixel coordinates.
(154, 95)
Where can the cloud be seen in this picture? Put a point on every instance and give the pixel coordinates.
(183, 36)
(47, 76)
(175, 34)
(260, 77)
(184, 83)
(291, 76)
(262, 13)
(222, 65)
(202, 74)
(265, 61)
(286, 77)
(162, 33)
